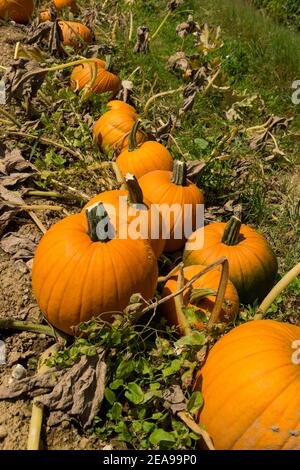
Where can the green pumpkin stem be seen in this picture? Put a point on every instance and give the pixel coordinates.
(232, 232)
(135, 193)
(109, 63)
(179, 173)
(132, 143)
(96, 214)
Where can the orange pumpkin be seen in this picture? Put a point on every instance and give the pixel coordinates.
(179, 201)
(75, 34)
(251, 388)
(19, 11)
(118, 105)
(82, 269)
(112, 129)
(137, 212)
(252, 263)
(95, 77)
(139, 160)
(61, 4)
(200, 297)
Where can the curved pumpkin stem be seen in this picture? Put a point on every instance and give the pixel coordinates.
(97, 219)
(179, 173)
(232, 232)
(135, 193)
(132, 143)
(215, 314)
(277, 289)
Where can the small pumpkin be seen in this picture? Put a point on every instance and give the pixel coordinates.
(95, 77)
(112, 129)
(75, 34)
(251, 388)
(252, 263)
(179, 201)
(82, 269)
(141, 159)
(119, 105)
(19, 11)
(142, 217)
(200, 298)
(61, 4)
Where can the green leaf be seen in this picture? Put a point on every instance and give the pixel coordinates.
(172, 368)
(148, 427)
(201, 143)
(116, 384)
(159, 436)
(137, 426)
(110, 396)
(134, 393)
(123, 432)
(125, 368)
(194, 314)
(195, 403)
(194, 339)
(116, 411)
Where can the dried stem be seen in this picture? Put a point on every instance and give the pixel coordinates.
(10, 117)
(158, 95)
(188, 420)
(277, 289)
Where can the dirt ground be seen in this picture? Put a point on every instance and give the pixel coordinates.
(17, 302)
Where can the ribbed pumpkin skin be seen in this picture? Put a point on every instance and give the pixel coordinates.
(150, 156)
(113, 198)
(60, 4)
(82, 75)
(111, 130)
(119, 105)
(158, 188)
(71, 30)
(251, 388)
(252, 263)
(209, 280)
(19, 11)
(75, 279)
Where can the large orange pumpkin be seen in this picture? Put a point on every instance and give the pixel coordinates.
(251, 388)
(141, 159)
(203, 297)
(119, 105)
(252, 263)
(179, 201)
(75, 34)
(82, 269)
(136, 211)
(19, 11)
(95, 77)
(112, 129)
(61, 4)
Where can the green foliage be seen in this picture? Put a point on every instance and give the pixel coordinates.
(287, 11)
(143, 367)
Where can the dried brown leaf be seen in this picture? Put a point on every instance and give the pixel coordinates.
(142, 41)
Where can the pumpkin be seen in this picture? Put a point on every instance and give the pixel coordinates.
(251, 388)
(19, 11)
(61, 4)
(143, 218)
(74, 34)
(112, 129)
(139, 160)
(200, 297)
(95, 77)
(252, 263)
(82, 269)
(179, 201)
(120, 106)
